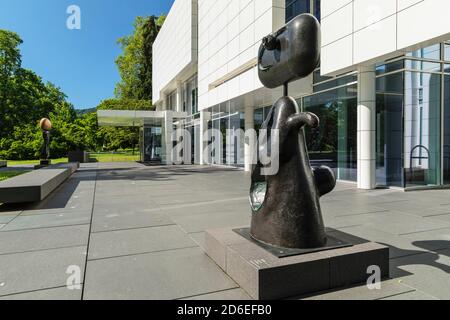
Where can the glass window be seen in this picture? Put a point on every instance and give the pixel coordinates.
(317, 77)
(446, 129)
(259, 119)
(336, 82)
(317, 9)
(390, 67)
(447, 52)
(236, 149)
(431, 52)
(389, 136)
(422, 65)
(334, 142)
(422, 129)
(296, 7)
(224, 127)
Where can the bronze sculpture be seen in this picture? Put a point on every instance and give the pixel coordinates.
(46, 126)
(286, 206)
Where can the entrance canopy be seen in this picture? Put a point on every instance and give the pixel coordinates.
(130, 118)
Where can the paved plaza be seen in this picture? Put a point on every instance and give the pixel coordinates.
(137, 232)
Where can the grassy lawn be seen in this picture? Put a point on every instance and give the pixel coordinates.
(9, 174)
(115, 157)
(34, 162)
(123, 156)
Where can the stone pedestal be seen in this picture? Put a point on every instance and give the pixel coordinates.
(78, 156)
(43, 164)
(266, 277)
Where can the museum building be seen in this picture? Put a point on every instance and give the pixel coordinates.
(382, 91)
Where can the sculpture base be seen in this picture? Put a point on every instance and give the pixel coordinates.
(43, 164)
(266, 277)
(332, 243)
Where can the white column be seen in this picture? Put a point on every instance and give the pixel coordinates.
(249, 147)
(179, 97)
(205, 116)
(366, 127)
(167, 129)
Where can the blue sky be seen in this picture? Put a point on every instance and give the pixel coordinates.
(80, 62)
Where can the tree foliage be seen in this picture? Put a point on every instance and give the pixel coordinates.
(135, 63)
(25, 98)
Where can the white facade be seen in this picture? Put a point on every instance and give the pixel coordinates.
(362, 32)
(175, 49)
(209, 48)
(230, 33)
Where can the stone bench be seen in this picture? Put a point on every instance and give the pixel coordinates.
(35, 185)
(3, 163)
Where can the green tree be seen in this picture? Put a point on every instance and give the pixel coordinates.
(135, 63)
(10, 63)
(24, 100)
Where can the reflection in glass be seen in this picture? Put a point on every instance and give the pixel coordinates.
(422, 129)
(389, 124)
(446, 129)
(431, 52)
(152, 144)
(334, 143)
(237, 135)
(224, 128)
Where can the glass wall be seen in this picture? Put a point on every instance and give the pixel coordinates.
(334, 143)
(296, 7)
(421, 145)
(151, 144)
(190, 96)
(230, 122)
(446, 129)
(389, 138)
(413, 119)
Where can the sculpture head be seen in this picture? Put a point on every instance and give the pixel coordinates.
(291, 53)
(45, 124)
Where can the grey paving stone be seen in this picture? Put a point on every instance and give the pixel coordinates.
(47, 221)
(415, 295)
(192, 223)
(393, 222)
(42, 239)
(74, 211)
(135, 241)
(388, 288)
(418, 208)
(236, 204)
(404, 245)
(427, 272)
(31, 271)
(4, 219)
(164, 275)
(198, 238)
(58, 294)
(128, 220)
(233, 294)
(441, 217)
